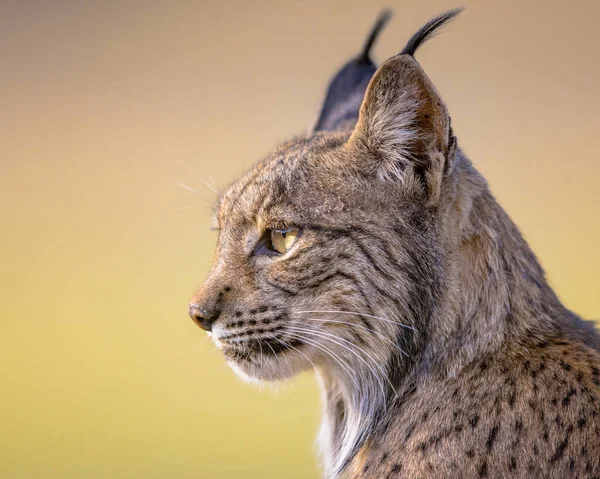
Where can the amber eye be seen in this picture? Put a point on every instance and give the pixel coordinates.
(277, 242)
(282, 240)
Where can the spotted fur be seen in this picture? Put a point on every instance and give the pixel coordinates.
(441, 348)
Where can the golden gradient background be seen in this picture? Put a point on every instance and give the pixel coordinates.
(106, 106)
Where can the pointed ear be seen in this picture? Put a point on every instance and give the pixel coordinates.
(403, 126)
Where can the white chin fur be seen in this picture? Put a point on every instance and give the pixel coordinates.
(269, 369)
(243, 374)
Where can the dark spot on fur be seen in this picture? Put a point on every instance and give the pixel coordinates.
(567, 398)
(497, 405)
(558, 421)
(483, 469)
(560, 450)
(518, 425)
(492, 437)
(566, 366)
(511, 399)
(409, 432)
(474, 421)
(512, 464)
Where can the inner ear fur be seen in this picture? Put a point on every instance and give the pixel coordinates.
(403, 125)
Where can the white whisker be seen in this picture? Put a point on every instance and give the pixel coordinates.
(211, 188)
(212, 182)
(333, 338)
(363, 314)
(383, 336)
(285, 343)
(186, 187)
(327, 351)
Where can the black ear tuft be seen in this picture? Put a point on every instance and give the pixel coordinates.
(382, 19)
(347, 88)
(429, 30)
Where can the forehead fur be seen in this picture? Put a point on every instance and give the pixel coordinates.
(308, 181)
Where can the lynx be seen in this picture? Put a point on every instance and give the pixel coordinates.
(372, 251)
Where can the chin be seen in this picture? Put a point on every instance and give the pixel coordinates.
(259, 368)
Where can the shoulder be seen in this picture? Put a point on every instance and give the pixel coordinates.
(530, 409)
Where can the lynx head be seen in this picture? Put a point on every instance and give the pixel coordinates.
(332, 251)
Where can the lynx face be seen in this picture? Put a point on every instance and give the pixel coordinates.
(312, 256)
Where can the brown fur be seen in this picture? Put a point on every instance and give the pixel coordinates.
(496, 378)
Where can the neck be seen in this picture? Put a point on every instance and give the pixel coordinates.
(353, 402)
(492, 288)
(497, 290)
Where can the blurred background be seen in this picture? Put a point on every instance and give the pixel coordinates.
(117, 119)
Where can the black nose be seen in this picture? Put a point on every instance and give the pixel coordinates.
(201, 317)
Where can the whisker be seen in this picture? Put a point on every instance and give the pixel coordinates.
(382, 371)
(288, 345)
(261, 351)
(250, 334)
(186, 187)
(383, 336)
(363, 314)
(212, 181)
(211, 188)
(327, 351)
(333, 339)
